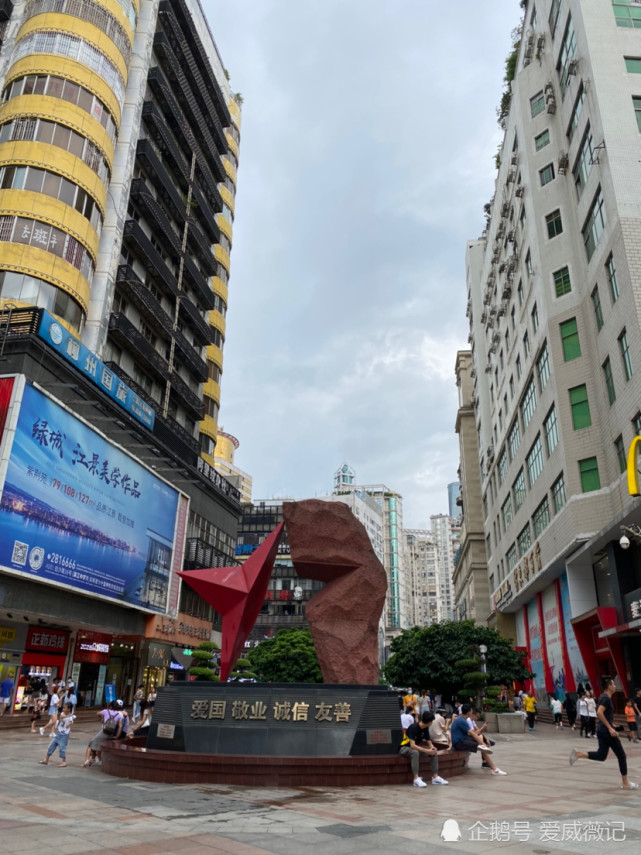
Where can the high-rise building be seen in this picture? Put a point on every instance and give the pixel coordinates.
(226, 447)
(446, 533)
(453, 498)
(469, 579)
(555, 328)
(421, 565)
(118, 153)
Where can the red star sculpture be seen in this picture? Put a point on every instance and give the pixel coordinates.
(237, 593)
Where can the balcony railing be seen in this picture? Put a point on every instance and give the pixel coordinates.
(149, 256)
(157, 217)
(199, 554)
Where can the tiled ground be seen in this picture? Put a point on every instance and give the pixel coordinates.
(543, 806)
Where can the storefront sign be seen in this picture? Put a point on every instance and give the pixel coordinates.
(78, 511)
(503, 596)
(632, 605)
(88, 363)
(181, 630)
(7, 634)
(92, 647)
(217, 479)
(47, 640)
(159, 655)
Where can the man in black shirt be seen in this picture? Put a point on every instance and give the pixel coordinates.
(417, 741)
(607, 735)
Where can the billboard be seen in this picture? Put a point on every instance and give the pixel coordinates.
(79, 511)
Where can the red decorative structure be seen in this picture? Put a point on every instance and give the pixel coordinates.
(237, 593)
(329, 544)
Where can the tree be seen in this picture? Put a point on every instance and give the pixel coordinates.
(289, 657)
(203, 664)
(431, 657)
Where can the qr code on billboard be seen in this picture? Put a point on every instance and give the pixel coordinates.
(20, 552)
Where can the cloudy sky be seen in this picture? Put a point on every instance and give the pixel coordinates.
(366, 157)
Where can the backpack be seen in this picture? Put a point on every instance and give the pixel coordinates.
(110, 726)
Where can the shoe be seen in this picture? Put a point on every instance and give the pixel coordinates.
(42, 731)
(531, 730)
(419, 782)
(573, 757)
(498, 772)
(97, 762)
(485, 765)
(439, 780)
(631, 787)
(485, 750)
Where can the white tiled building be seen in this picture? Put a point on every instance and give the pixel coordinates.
(554, 302)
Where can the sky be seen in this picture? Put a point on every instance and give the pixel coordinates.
(366, 156)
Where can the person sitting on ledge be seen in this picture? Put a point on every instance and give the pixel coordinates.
(416, 741)
(466, 739)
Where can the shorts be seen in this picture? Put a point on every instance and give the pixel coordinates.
(632, 725)
(5, 700)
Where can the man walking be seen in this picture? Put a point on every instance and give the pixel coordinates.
(416, 741)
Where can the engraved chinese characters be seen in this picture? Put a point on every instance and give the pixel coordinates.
(278, 711)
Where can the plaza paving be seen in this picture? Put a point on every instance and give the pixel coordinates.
(542, 806)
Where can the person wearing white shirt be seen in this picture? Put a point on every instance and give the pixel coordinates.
(61, 739)
(591, 714)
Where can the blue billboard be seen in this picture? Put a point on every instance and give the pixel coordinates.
(77, 510)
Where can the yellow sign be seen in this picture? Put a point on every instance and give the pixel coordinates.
(633, 467)
(7, 633)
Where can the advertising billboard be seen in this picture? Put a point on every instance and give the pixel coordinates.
(79, 511)
(553, 640)
(536, 650)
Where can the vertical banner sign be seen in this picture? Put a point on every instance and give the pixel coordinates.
(551, 619)
(179, 546)
(574, 655)
(536, 653)
(76, 510)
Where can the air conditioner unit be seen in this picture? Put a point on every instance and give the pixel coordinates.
(483, 316)
(551, 105)
(472, 400)
(511, 176)
(507, 292)
(490, 452)
(540, 42)
(563, 162)
(573, 65)
(519, 190)
(549, 90)
(501, 310)
(488, 368)
(515, 159)
(510, 235)
(505, 209)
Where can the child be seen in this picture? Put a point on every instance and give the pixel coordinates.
(630, 717)
(62, 736)
(37, 713)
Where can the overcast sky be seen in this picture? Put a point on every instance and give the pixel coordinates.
(366, 156)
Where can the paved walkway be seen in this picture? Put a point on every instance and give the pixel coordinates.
(542, 806)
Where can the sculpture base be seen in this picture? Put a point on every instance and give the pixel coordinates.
(275, 720)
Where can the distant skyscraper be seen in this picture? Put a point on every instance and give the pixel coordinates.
(343, 477)
(446, 532)
(421, 566)
(454, 493)
(226, 446)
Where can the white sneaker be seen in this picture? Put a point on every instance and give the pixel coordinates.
(485, 749)
(439, 780)
(419, 782)
(42, 731)
(99, 763)
(498, 772)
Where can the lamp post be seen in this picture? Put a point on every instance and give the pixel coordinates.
(483, 651)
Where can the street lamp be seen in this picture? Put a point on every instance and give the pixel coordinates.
(483, 651)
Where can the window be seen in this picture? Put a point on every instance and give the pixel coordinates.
(488, 546)
(542, 140)
(526, 345)
(518, 368)
(570, 340)
(524, 540)
(506, 513)
(528, 263)
(554, 224)
(612, 278)
(546, 174)
(584, 162)
(485, 506)
(596, 303)
(534, 461)
(594, 224)
(543, 367)
(518, 490)
(636, 102)
(519, 292)
(511, 387)
(510, 557)
(620, 450)
(558, 493)
(626, 14)
(576, 113)
(562, 284)
(609, 381)
(589, 471)
(551, 431)
(625, 355)
(522, 217)
(633, 64)
(513, 317)
(502, 466)
(528, 404)
(567, 54)
(537, 104)
(513, 439)
(541, 517)
(535, 318)
(580, 407)
(554, 15)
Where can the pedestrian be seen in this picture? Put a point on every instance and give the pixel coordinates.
(6, 688)
(151, 697)
(416, 741)
(439, 732)
(54, 704)
(570, 711)
(138, 698)
(557, 711)
(637, 708)
(607, 736)
(583, 714)
(529, 705)
(411, 699)
(110, 729)
(142, 727)
(466, 739)
(407, 718)
(631, 719)
(592, 716)
(124, 729)
(61, 739)
(516, 703)
(424, 703)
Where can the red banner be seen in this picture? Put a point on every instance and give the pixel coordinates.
(6, 388)
(92, 647)
(47, 640)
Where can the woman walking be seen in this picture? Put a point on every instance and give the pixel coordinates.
(607, 736)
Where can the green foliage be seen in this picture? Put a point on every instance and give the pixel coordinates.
(243, 663)
(201, 673)
(201, 655)
(208, 645)
(203, 662)
(492, 691)
(289, 657)
(503, 109)
(429, 656)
